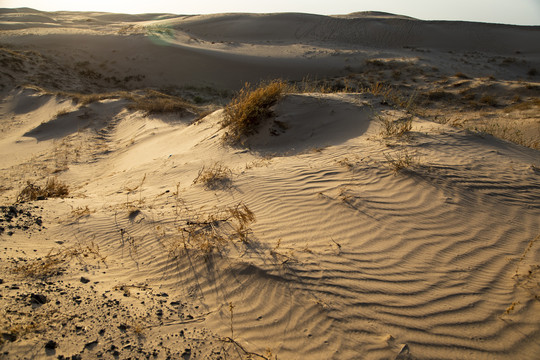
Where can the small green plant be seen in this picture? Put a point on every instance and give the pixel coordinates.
(214, 177)
(53, 188)
(243, 115)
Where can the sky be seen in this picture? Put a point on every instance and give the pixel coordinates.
(520, 12)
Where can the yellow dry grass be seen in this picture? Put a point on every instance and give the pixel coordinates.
(53, 188)
(249, 108)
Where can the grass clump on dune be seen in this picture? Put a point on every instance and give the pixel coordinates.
(155, 102)
(53, 188)
(214, 177)
(248, 108)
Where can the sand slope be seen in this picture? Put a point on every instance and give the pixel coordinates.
(346, 258)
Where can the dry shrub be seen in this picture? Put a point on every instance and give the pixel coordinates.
(488, 100)
(55, 261)
(150, 101)
(400, 161)
(393, 96)
(85, 99)
(53, 188)
(395, 128)
(248, 108)
(240, 221)
(211, 232)
(154, 102)
(215, 177)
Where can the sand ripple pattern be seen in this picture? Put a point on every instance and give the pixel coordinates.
(391, 266)
(413, 266)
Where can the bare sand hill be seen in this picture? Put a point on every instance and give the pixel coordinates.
(385, 207)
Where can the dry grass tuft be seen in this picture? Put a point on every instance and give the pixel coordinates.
(155, 102)
(400, 161)
(240, 221)
(488, 100)
(86, 99)
(55, 261)
(397, 128)
(53, 188)
(248, 108)
(211, 232)
(217, 176)
(149, 101)
(392, 96)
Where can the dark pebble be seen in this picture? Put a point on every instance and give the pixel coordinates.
(38, 299)
(91, 345)
(51, 344)
(9, 336)
(85, 280)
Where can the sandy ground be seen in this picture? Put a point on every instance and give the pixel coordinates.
(354, 244)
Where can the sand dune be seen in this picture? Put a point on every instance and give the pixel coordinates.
(327, 237)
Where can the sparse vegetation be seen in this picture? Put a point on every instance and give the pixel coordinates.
(217, 176)
(56, 260)
(211, 232)
(153, 102)
(53, 188)
(400, 161)
(158, 29)
(395, 128)
(393, 96)
(61, 113)
(249, 108)
(488, 100)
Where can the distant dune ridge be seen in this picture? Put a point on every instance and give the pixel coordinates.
(268, 186)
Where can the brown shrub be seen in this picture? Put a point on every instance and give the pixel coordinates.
(214, 177)
(248, 108)
(53, 188)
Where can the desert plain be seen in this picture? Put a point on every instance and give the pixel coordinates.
(383, 204)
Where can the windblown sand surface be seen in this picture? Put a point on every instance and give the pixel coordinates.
(325, 236)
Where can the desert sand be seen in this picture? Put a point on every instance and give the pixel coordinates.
(387, 209)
